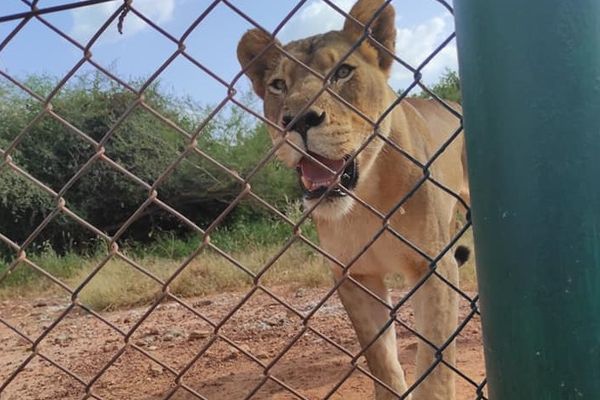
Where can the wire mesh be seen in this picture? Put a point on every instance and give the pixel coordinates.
(87, 385)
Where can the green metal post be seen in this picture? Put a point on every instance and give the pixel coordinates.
(530, 74)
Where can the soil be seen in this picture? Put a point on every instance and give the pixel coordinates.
(261, 330)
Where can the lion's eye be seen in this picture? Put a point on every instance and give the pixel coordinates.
(277, 86)
(344, 71)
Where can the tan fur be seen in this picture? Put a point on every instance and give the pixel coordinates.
(345, 227)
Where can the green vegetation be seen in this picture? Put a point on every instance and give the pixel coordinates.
(52, 151)
(143, 144)
(118, 284)
(447, 88)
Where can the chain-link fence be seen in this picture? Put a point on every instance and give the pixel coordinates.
(304, 321)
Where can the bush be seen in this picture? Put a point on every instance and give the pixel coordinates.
(447, 88)
(52, 152)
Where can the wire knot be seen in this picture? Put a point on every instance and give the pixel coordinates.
(124, 12)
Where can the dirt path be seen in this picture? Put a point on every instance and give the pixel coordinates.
(174, 335)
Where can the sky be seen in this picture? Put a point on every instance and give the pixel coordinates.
(422, 25)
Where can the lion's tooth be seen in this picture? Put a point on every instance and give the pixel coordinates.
(306, 182)
(311, 185)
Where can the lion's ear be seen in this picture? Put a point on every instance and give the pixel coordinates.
(383, 30)
(255, 59)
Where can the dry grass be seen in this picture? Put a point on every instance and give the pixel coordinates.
(468, 273)
(119, 285)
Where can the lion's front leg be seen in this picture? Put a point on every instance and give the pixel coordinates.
(436, 313)
(369, 316)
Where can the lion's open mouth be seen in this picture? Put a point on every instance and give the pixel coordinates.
(315, 179)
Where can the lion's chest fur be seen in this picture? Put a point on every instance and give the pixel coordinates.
(414, 215)
(373, 245)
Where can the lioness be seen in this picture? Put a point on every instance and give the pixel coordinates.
(330, 133)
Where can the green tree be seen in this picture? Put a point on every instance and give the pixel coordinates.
(447, 88)
(52, 152)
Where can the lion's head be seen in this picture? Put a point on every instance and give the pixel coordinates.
(356, 68)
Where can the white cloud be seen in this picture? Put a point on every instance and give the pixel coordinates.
(87, 20)
(316, 17)
(413, 44)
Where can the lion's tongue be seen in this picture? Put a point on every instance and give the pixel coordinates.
(314, 176)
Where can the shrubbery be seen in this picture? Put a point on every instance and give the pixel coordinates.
(447, 88)
(51, 152)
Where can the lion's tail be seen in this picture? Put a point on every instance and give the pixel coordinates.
(461, 254)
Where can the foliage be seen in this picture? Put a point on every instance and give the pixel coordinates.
(250, 240)
(447, 88)
(52, 152)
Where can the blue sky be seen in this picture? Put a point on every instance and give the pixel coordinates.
(422, 26)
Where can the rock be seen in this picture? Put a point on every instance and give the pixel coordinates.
(156, 370)
(171, 335)
(197, 335)
(245, 348)
(275, 321)
(262, 355)
(62, 340)
(203, 303)
(110, 348)
(152, 332)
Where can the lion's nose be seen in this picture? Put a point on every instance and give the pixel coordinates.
(309, 120)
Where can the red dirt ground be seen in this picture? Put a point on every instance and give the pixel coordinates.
(174, 335)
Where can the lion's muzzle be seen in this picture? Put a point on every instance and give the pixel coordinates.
(317, 177)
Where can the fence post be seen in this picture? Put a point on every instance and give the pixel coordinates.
(530, 74)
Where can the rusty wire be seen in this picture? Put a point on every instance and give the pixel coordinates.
(21, 259)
